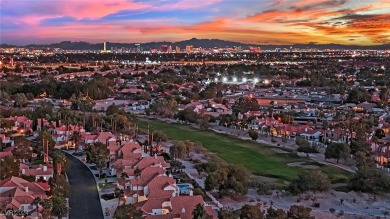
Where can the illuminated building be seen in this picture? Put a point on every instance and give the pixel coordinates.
(164, 48)
(138, 47)
(254, 49)
(189, 48)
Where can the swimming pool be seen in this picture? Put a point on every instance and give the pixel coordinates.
(185, 188)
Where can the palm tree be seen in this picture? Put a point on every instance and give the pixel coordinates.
(198, 212)
(60, 206)
(102, 122)
(36, 202)
(68, 122)
(76, 138)
(60, 160)
(48, 206)
(124, 175)
(137, 174)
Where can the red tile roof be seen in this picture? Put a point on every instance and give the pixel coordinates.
(17, 191)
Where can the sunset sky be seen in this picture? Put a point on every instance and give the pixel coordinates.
(358, 22)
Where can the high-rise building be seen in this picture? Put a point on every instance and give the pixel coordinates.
(105, 46)
(164, 48)
(11, 62)
(254, 49)
(138, 47)
(177, 49)
(169, 49)
(189, 48)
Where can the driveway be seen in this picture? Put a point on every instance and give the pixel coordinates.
(84, 199)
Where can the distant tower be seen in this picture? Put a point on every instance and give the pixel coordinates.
(138, 47)
(105, 46)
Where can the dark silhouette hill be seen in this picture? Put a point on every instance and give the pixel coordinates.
(204, 43)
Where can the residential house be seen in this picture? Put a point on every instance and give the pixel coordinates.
(19, 194)
(180, 207)
(44, 172)
(7, 141)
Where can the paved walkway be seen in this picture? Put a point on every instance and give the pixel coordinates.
(84, 199)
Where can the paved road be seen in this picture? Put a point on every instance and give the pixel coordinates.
(84, 199)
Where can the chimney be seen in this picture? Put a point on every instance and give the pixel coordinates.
(26, 189)
(183, 210)
(45, 168)
(155, 156)
(23, 171)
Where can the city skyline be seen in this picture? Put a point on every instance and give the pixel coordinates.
(264, 22)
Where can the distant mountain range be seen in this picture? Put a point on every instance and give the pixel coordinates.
(204, 43)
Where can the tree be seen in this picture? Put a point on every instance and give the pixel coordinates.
(358, 95)
(128, 211)
(47, 204)
(254, 134)
(370, 179)
(379, 133)
(22, 149)
(20, 100)
(243, 105)
(299, 212)
(36, 202)
(9, 166)
(60, 160)
(227, 179)
(200, 213)
(164, 107)
(85, 104)
(337, 151)
(159, 136)
(98, 153)
(137, 175)
(187, 115)
(309, 181)
(360, 146)
(304, 146)
(76, 136)
(251, 212)
(227, 214)
(59, 186)
(112, 109)
(275, 213)
(60, 206)
(203, 122)
(178, 151)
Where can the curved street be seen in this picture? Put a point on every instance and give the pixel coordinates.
(84, 199)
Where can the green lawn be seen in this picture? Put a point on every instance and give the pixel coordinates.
(260, 159)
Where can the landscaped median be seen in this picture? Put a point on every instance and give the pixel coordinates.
(259, 158)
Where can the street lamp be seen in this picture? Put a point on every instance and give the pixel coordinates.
(244, 80)
(234, 79)
(224, 79)
(256, 80)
